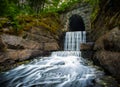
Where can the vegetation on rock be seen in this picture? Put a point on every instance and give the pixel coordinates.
(19, 15)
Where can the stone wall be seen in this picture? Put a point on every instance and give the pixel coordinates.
(83, 10)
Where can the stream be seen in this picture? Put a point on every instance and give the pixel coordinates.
(61, 69)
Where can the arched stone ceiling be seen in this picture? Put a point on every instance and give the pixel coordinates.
(83, 10)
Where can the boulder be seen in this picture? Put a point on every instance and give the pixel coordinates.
(15, 55)
(110, 41)
(109, 61)
(107, 52)
(86, 46)
(87, 50)
(31, 44)
(15, 42)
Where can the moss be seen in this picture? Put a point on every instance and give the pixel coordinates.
(50, 22)
(4, 22)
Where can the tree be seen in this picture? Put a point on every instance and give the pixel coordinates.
(3, 7)
(36, 5)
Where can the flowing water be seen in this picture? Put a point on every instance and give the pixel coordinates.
(73, 40)
(62, 69)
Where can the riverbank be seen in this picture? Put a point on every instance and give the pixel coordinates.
(33, 40)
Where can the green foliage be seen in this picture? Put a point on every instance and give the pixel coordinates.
(16, 7)
(8, 8)
(51, 22)
(3, 21)
(19, 12)
(36, 5)
(3, 4)
(95, 6)
(12, 10)
(16, 25)
(58, 5)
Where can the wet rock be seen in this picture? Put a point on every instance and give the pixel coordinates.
(87, 54)
(106, 81)
(87, 50)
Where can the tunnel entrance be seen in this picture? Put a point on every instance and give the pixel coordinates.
(76, 23)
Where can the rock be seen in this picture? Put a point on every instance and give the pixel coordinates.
(15, 42)
(109, 61)
(31, 44)
(3, 57)
(49, 46)
(11, 39)
(14, 55)
(87, 50)
(87, 54)
(112, 40)
(2, 45)
(108, 52)
(41, 32)
(38, 38)
(106, 18)
(19, 54)
(109, 41)
(86, 46)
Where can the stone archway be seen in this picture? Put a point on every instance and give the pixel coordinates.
(84, 11)
(76, 23)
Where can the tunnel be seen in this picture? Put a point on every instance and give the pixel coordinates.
(76, 23)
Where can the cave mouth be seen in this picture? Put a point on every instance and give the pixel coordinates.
(76, 23)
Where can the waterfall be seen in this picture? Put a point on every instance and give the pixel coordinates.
(66, 53)
(62, 69)
(73, 40)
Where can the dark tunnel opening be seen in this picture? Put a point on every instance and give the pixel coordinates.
(76, 23)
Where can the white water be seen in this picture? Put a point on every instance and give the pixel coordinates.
(73, 40)
(61, 69)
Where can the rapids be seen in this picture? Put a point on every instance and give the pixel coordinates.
(61, 69)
